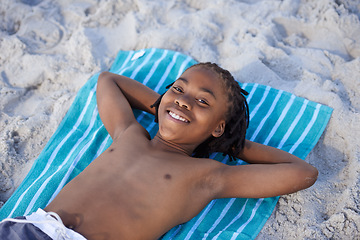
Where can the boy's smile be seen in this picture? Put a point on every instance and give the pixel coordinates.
(178, 117)
(193, 109)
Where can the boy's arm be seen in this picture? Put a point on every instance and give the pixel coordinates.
(116, 95)
(272, 172)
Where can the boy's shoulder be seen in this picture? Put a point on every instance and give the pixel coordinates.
(134, 131)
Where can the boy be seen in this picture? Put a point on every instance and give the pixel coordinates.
(140, 188)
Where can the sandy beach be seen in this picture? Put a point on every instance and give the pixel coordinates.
(49, 49)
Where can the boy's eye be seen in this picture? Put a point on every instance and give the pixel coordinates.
(202, 101)
(177, 89)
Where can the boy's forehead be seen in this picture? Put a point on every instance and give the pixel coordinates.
(199, 73)
(203, 76)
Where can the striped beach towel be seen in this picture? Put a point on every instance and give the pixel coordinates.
(278, 119)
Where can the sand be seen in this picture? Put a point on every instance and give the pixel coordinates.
(48, 50)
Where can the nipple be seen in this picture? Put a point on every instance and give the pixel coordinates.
(167, 176)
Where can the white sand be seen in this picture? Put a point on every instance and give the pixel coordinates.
(48, 49)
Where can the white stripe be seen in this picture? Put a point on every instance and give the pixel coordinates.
(294, 123)
(280, 119)
(141, 116)
(175, 232)
(218, 220)
(225, 159)
(232, 221)
(44, 184)
(254, 111)
(102, 146)
(183, 65)
(151, 126)
(75, 162)
(307, 129)
(126, 68)
(166, 74)
(271, 109)
(55, 152)
(133, 75)
(154, 67)
(258, 203)
(251, 94)
(202, 216)
(213, 155)
(243, 86)
(126, 61)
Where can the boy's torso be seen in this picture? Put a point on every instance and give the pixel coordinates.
(133, 191)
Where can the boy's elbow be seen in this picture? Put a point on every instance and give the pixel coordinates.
(104, 75)
(311, 175)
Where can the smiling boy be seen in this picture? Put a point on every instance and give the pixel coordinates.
(140, 188)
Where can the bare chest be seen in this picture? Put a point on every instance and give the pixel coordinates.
(143, 185)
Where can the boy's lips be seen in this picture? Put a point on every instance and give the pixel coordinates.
(178, 116)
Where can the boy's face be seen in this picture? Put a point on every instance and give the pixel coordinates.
(194, 108)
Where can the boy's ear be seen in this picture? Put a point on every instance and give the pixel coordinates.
(219, 130)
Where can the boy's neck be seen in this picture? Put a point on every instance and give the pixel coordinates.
(163, 144)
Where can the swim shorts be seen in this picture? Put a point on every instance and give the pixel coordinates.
(40, 225)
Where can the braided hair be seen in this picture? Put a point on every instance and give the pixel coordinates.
(232, 141)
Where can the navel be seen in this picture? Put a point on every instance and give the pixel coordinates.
(111, 149)
(167, 176)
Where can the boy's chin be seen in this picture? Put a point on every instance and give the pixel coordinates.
(181, 138)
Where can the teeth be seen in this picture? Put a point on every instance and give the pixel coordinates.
(174, 115)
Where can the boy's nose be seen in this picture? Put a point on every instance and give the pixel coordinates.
(182, 102)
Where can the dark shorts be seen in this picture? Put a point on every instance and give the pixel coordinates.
(39, 225)
(21, 231)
